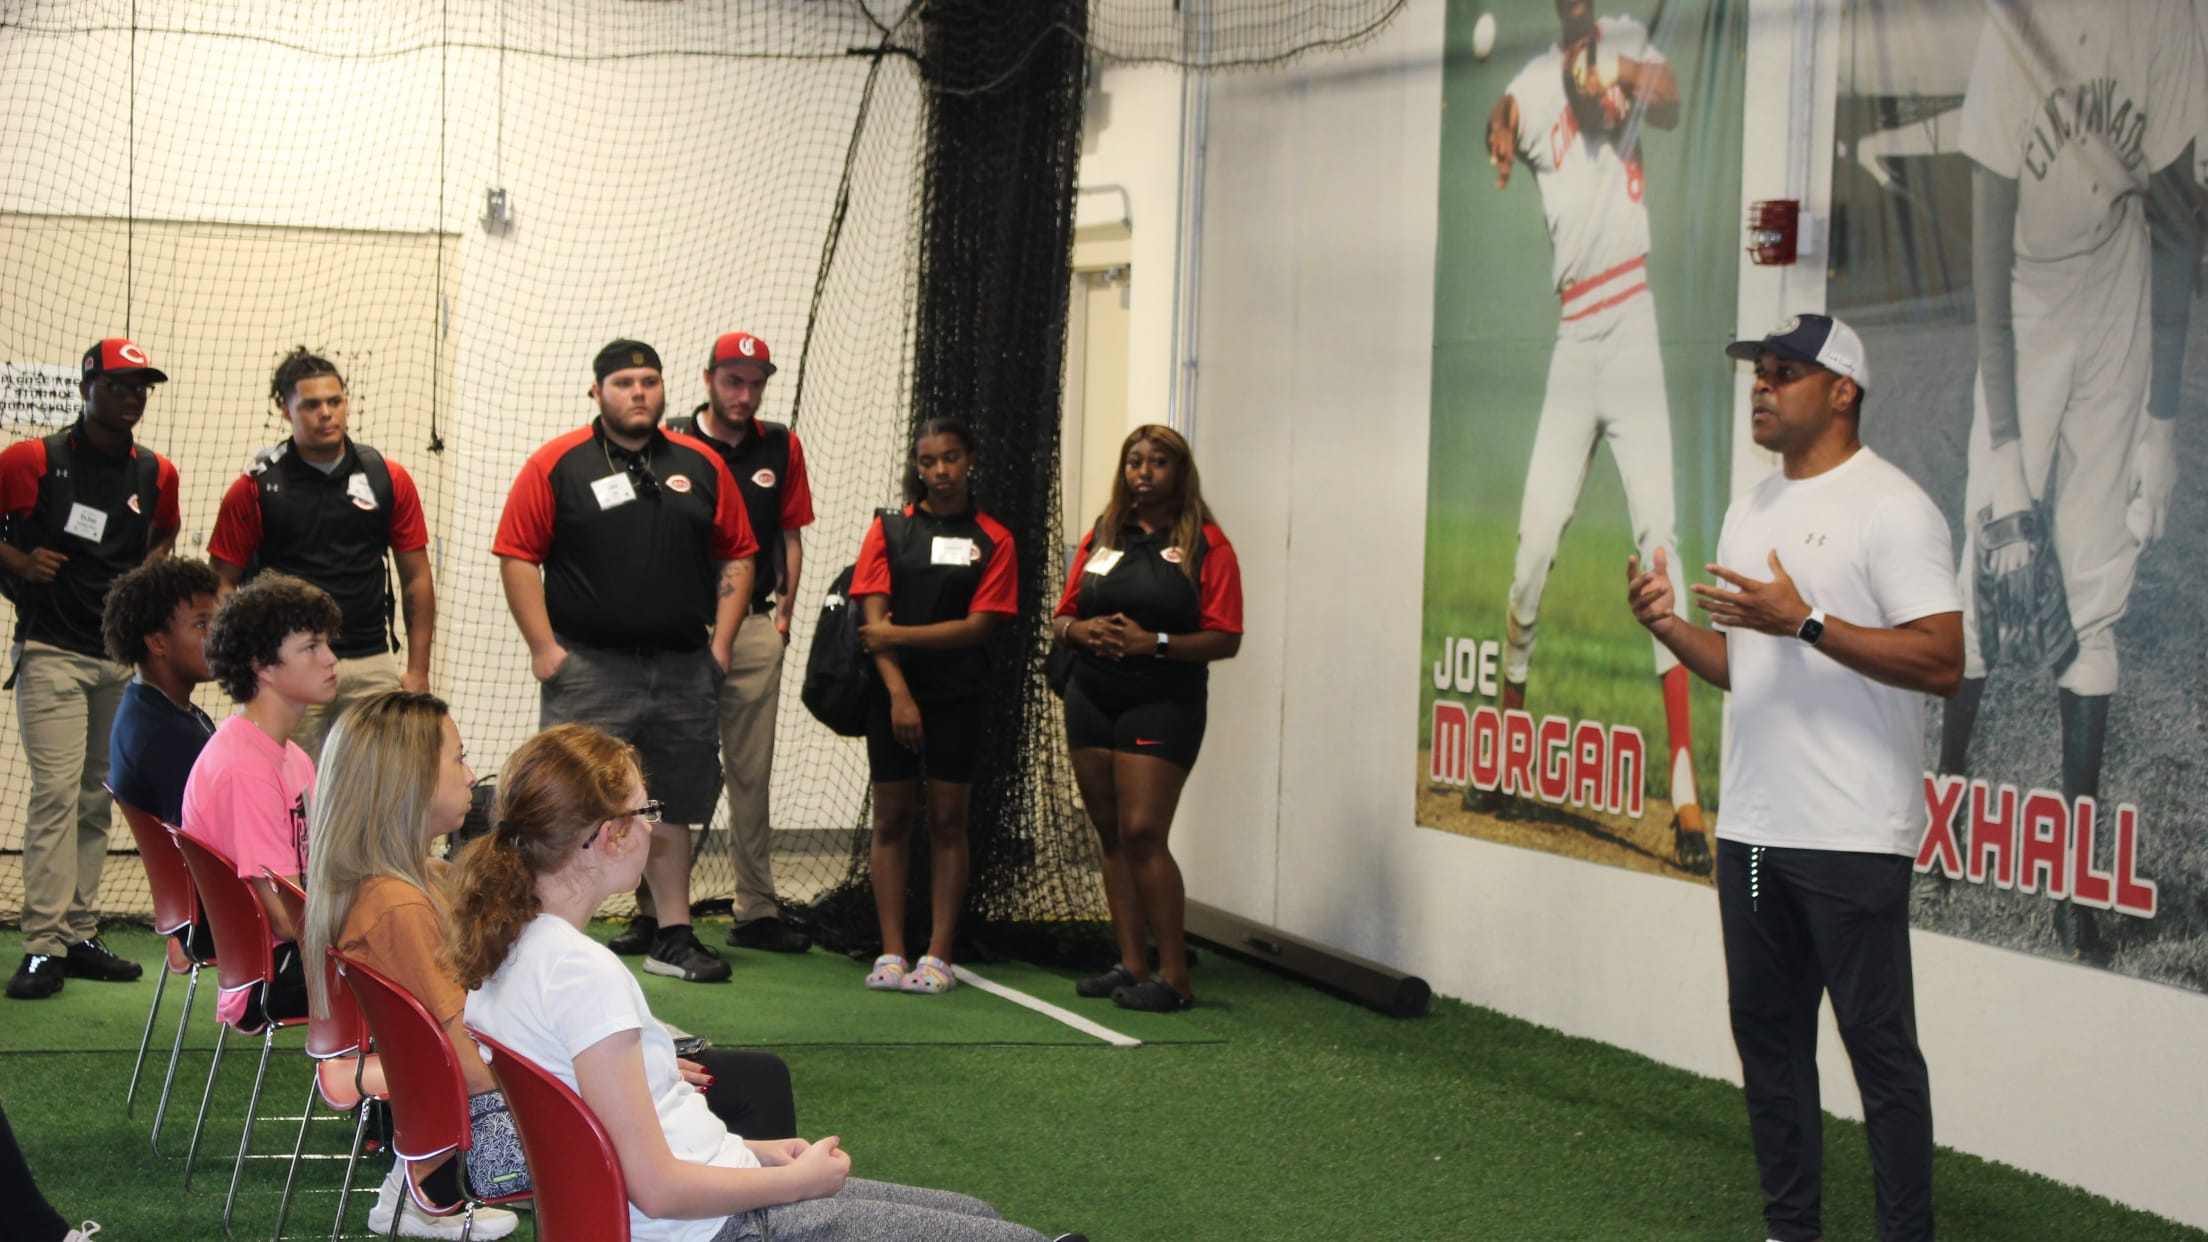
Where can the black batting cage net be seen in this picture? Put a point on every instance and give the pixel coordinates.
(459, 204)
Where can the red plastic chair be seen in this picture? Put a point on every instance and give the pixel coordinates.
(429, 1098)
(345, 1076)
(175, 908)
(581, 1195)
(244, 958)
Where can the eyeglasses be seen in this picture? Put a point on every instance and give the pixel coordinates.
(125, 388)
(617, 827)
(645, 482)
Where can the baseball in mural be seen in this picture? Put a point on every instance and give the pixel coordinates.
(1573, 117)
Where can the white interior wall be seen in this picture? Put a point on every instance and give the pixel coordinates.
(1133, 140)
(1316, 331)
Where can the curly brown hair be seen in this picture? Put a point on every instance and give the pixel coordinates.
(143, 602)
(251, 626)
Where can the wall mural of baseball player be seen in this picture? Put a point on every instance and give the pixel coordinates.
(1594, 756)
(2066, 803)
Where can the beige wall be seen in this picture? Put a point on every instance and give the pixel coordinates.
(216, 306)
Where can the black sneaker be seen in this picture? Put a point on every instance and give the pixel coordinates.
(771, 934)
(638, 939)
(89, 959)
(677, 954)
(40, 976)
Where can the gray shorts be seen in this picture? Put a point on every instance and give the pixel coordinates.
(664, 703)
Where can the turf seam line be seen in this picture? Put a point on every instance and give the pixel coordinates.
(1048, 1010)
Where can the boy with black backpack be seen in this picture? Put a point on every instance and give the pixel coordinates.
(80, 507)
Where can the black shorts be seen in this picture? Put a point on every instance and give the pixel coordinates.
(1161, 722)
(950, 744)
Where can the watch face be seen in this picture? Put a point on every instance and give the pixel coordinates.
(1812, 630)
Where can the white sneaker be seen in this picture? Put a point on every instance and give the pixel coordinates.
(490, 1222)
(83, 1232)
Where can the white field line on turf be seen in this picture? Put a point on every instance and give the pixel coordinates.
(1045, 1008)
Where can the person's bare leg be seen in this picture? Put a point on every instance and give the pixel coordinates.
(947, 803)
(1149, 793)
(890, 856)
(1093, 772)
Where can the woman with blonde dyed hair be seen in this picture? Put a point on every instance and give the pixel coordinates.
(1154, 596)
(573, 829)
(394, 777)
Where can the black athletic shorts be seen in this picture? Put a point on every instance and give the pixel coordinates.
(950, 742)
(1164, 722)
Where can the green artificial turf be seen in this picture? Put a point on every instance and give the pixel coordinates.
(1297, 1116)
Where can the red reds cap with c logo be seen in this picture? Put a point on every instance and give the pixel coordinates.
(741, 347)
(123, 360)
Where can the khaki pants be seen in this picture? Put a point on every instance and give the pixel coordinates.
(748, 698)
(356, 680)
(64, 705)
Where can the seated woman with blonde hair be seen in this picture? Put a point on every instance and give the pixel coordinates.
(570, 802)
(394, 778)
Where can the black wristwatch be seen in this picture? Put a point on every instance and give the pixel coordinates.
(1813, 628)
(1160, 652)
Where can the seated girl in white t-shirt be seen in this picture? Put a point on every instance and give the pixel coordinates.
(570, 808)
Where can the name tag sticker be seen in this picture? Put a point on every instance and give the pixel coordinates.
(86, 523)
(950, 551)
(1102, 562)
(362, 495)
(613, 491)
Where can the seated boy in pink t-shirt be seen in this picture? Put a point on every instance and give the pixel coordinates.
(247, 796)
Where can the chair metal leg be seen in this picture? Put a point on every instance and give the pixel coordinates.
(176, 1053)
(160, 984)
(245, 1133)
(306, 1114)
(467, 1218)
(222, 1035)
(352, 1162)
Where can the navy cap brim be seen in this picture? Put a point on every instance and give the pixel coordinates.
(1746, 351)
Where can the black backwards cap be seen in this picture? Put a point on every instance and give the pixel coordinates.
(623, 354)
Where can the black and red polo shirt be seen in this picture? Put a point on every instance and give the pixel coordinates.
(631, 543)
(328, 529)
(769, 469)
(940, 569)
(92, 509)
(1147, 581)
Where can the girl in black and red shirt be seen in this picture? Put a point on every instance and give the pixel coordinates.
(1153, 598)
(931, 583)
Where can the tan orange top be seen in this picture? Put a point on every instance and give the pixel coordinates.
(395, 928)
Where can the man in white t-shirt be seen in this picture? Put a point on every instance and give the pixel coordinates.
(1836, 613)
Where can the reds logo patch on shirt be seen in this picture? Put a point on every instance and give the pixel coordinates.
(763, 478)
(132, 501)
(678, 482)
(1171, 556)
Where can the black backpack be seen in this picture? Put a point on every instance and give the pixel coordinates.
(839, 678)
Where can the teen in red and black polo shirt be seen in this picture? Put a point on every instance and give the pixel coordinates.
(82, 507)
(768, 464)
(930, 583)
(1154, 596)
(646, 561)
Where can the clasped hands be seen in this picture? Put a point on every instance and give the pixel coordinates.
(1744, 603)
(1114, 637)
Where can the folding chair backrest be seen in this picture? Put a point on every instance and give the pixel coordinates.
(233, 912)
(174, 904)
(573, 1169)
(429, 1098)
(339, 1034)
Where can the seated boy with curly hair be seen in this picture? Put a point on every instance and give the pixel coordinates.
(269, 649)
(156, 620)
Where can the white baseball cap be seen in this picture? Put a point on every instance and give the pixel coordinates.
(1818, 339)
